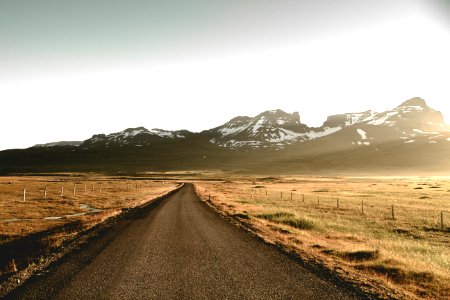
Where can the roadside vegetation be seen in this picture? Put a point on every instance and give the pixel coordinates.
(389, 235)
(39, 215)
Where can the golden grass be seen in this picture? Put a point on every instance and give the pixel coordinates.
(346, 224)
(95, 197)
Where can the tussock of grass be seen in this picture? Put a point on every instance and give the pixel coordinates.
(352, 256)
(398, 274)
(279, 229)
(241, 216)
(268, 178)
(361, 255)
(287, 219)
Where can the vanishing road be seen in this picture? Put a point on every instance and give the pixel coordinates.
(178, 249)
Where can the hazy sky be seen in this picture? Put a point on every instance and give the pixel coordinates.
(70, 69)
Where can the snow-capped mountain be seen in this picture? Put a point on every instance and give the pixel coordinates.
(270, 129)
(411, 113)
(411, 137)
(276, 129)
(139, 137)
(344, 120)
(410, 121)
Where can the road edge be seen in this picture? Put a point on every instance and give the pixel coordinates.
(21, 277)
(315, 267)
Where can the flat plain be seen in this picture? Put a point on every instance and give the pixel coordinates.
(30, 204)
(389, 235)
(40, 215)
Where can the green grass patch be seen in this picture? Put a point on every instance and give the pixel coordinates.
(287, 219)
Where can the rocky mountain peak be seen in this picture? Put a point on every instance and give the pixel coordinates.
(278, 114)
(414, 102)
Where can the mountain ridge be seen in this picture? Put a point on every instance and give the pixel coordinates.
(277, 129)
(411, 136)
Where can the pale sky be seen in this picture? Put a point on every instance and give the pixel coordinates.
(71, 69)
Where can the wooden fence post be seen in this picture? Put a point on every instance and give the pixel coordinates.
(442, 219)
(62, 191)
(85, 189)
(303, 198)
(318, 201)
(281, 195)
(392, 211)
(24, 195)
(291, 195)
(337, 203)
(362, 206)
(74, 189)
(45, 193)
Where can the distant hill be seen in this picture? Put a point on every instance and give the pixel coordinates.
(412, 137)
(62, 143)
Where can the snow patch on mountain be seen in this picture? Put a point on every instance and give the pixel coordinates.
(382, 119)
(230, 130)
(62, 143)
(258, 124)
(362, 133)
(320, 133)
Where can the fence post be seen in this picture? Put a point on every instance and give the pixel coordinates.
(442, 219)
(85, 189)
(281, 194)
(24, 195)
(337, 203)
(303, 198)
(291, 195)
(74, 189)
(392, 210)
(45, 193)
(318, 201)
(62, 191)
(266, 192)
(362, 206)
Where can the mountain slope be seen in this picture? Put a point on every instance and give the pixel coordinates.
(411, 136)
(270, 129)
(139, 137)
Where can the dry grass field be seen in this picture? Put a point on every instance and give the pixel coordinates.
(391, 236)
(47, 211)
(51, 200)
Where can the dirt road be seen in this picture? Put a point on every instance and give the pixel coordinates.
(179, 249)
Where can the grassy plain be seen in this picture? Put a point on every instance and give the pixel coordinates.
(347, 225)
(68, 198)
(39, 215)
